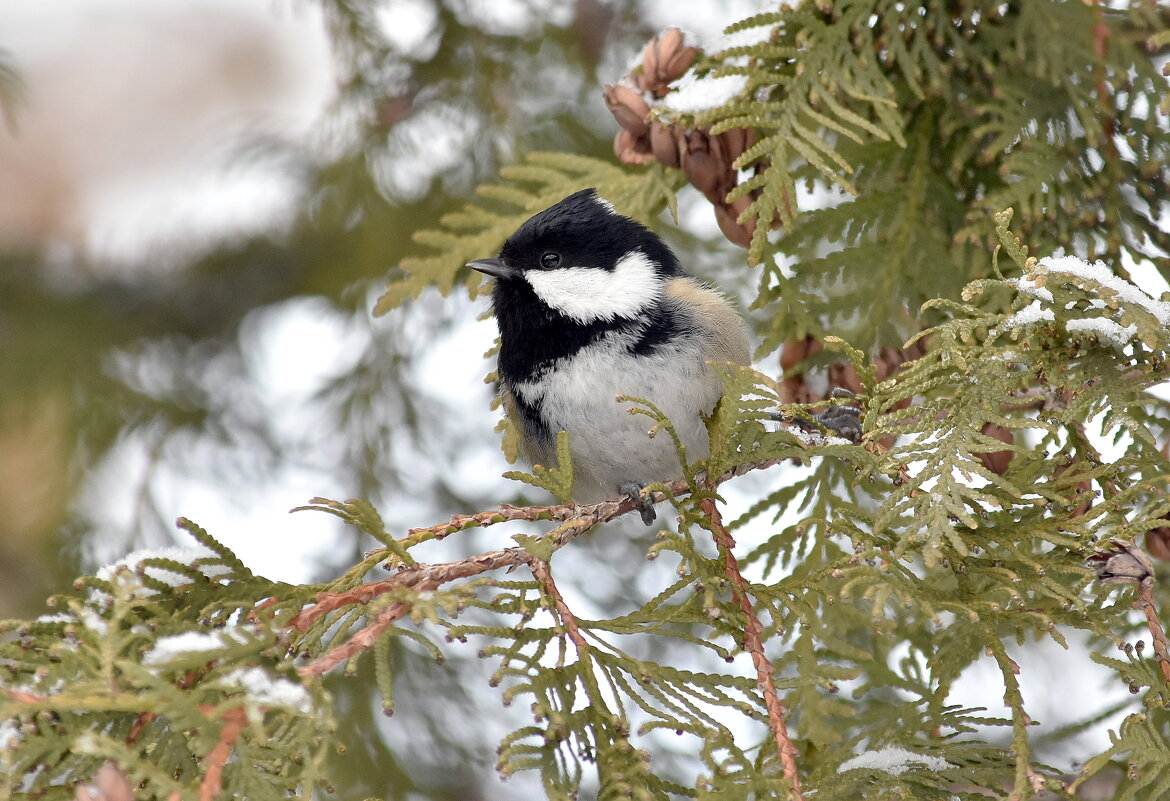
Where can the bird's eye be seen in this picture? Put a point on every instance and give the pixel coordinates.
(549, 260)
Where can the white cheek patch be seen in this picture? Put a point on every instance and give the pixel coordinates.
(587, 294)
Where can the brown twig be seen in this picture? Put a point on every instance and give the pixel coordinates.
(1122, 562)
(598, 512)
(141, 722)
(23, 697)
(602, 512)
(419, 578)
(543, 574)
(1157, 633)
(753, 644)
(233, 723)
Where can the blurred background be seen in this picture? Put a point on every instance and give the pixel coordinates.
(199, 202)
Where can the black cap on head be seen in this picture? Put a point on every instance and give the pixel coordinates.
(583, 230)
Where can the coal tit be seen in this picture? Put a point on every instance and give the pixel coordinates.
(591, 304)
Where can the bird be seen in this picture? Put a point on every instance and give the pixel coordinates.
(592, 305)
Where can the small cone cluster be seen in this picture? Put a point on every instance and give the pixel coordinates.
(705, 158)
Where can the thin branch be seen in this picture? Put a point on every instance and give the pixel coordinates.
(419, 578)
(140, 723)
(543, 574)
(576, 519)
(233, 723)
(596, 512)
(1157, 632)
(23, 697)
(602, 512)
(753, 644)
(1122, 562)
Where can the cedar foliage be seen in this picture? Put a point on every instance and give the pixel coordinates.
(903, 566)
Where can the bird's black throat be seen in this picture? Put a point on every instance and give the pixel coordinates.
(533, 336)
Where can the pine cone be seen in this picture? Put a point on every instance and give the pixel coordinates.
(665, 60)
(628, 108)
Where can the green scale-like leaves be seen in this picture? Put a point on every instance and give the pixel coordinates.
(153, 668)
(817, 90)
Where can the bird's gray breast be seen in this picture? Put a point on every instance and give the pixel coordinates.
(610, 446)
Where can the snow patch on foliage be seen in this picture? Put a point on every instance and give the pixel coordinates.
(264, 690)
(1099, 273)
(1029, 287)
(691, 94)
(178, 645)
(183, 555)
(1113, 325)
(1105, 329)
(1032, 313)
(894, 761)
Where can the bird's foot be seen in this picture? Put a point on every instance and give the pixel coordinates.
(633, 490)
(843, 421)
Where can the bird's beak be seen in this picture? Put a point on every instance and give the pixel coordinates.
(494, 267)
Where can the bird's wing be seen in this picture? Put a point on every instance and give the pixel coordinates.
(723, 333)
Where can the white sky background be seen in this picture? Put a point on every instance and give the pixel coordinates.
(181, 181)
(138, 153)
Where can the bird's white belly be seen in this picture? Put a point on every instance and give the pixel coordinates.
(610, 446)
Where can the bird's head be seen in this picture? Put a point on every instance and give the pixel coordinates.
(584, 260)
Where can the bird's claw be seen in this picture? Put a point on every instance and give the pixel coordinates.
(843, 421)
(633, 490)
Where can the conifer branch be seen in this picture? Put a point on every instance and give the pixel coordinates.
(753, 644)
(421, 578)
